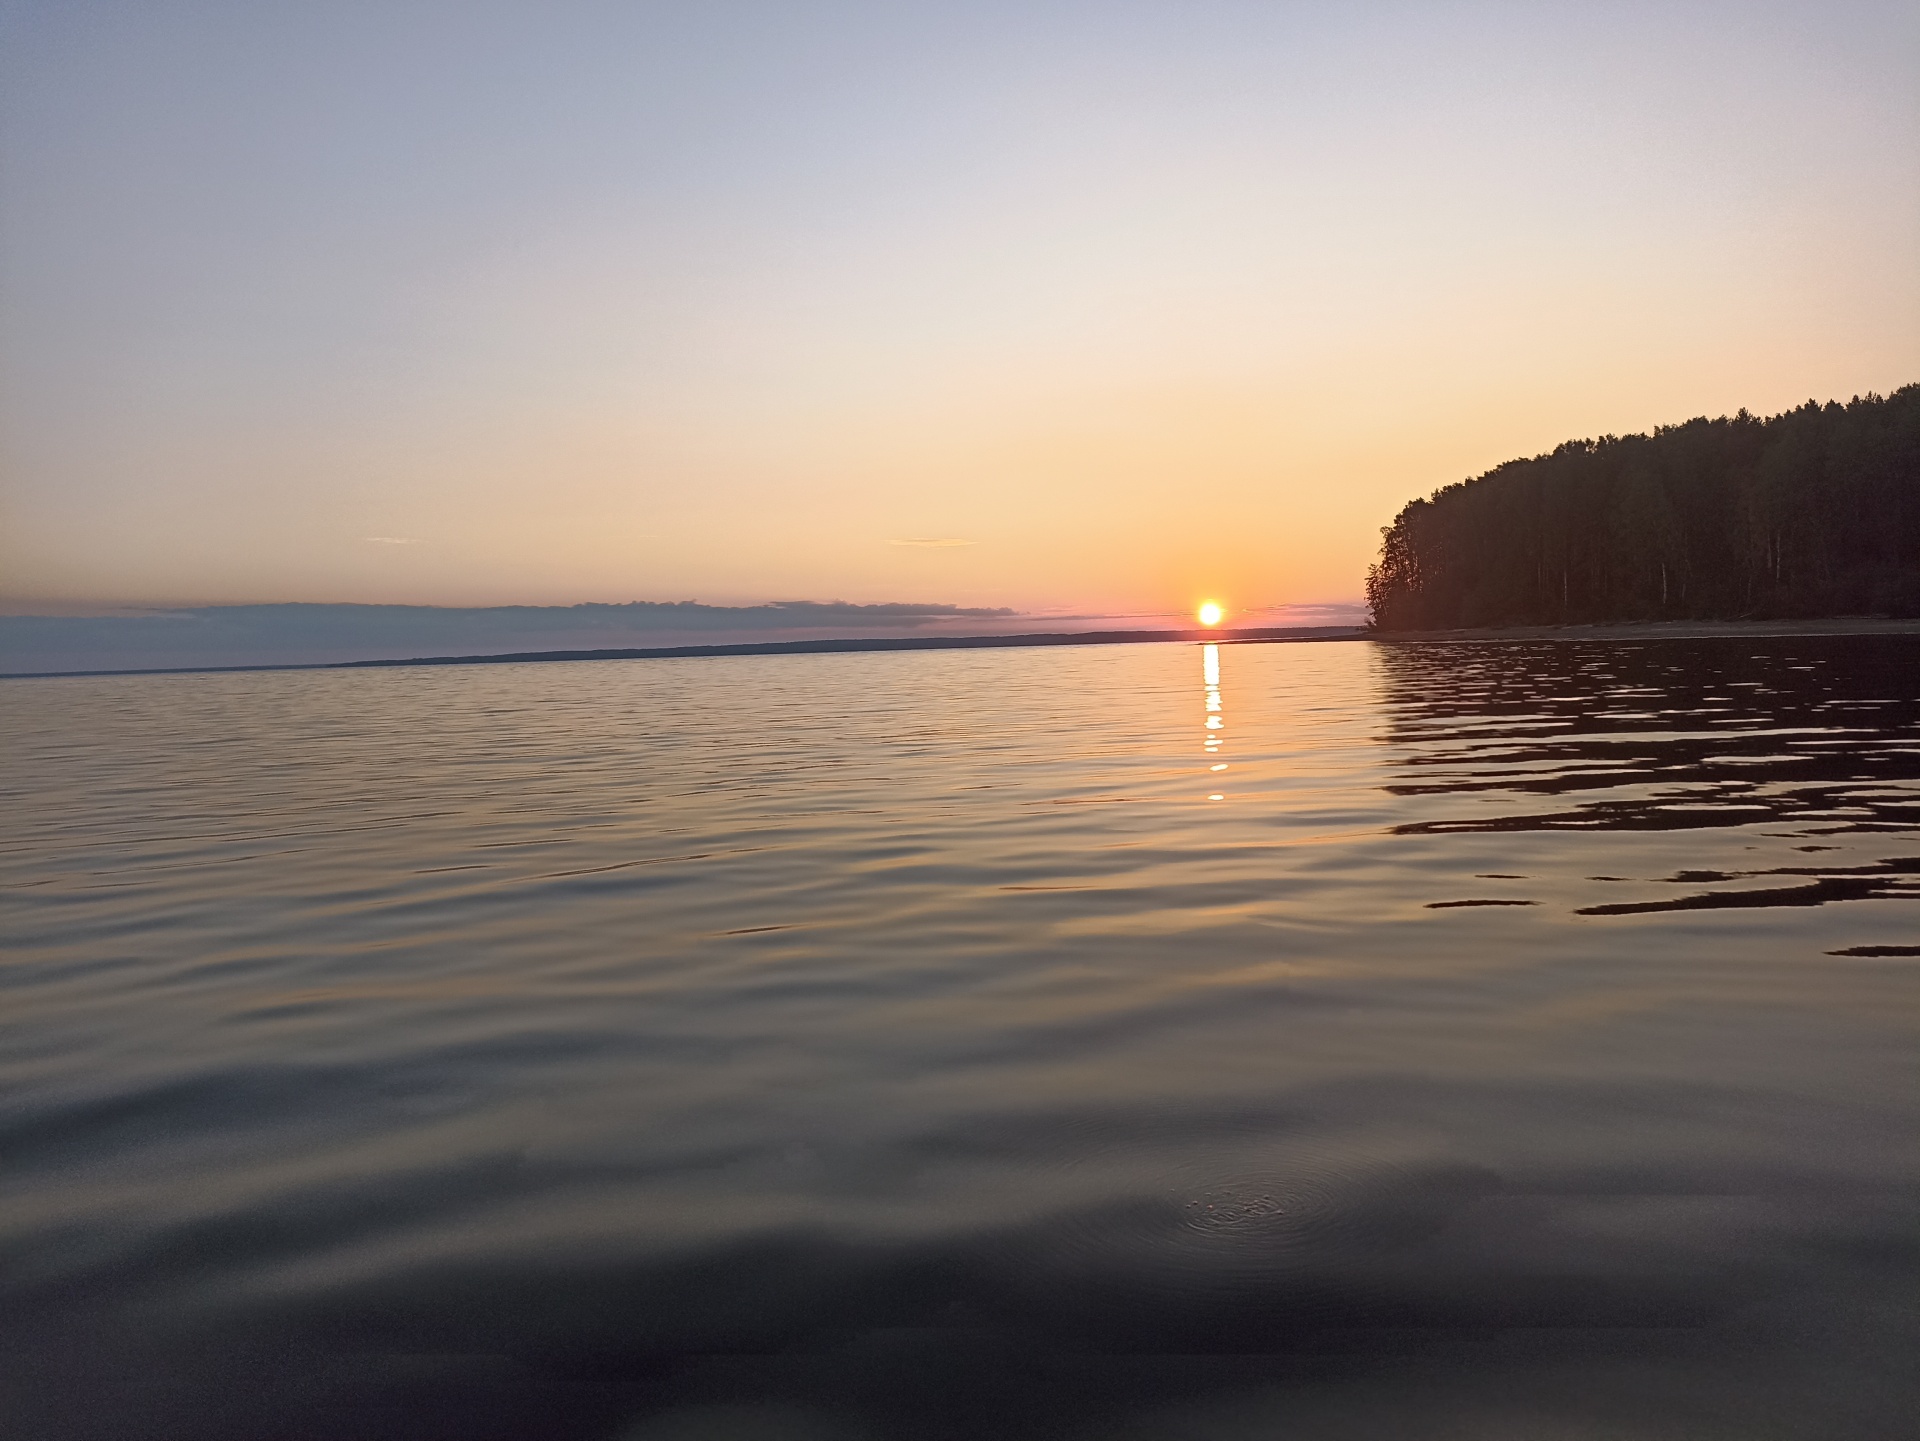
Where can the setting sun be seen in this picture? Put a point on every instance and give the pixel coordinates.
(1210, 612)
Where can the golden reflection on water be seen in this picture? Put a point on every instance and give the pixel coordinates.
(1216, 722)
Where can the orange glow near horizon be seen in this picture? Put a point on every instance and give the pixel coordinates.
(1091, 321)
(1211, 612)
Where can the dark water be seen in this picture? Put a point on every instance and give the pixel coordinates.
(1509, 1042)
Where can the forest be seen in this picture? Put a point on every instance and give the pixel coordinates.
(1814, 512)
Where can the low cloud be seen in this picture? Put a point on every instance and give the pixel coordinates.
(932, 543)
(391, 539)
(1320, 612)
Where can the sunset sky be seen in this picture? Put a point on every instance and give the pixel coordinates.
(1091, 308)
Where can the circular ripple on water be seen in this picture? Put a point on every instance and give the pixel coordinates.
(1316, 1228)
(1272, 1215)
(1246, 1227)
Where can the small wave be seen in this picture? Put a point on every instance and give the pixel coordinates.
(1831, 888)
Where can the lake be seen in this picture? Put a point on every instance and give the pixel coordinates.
(1307, 1040)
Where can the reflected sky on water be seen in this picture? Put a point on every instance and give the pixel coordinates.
(910, 1044)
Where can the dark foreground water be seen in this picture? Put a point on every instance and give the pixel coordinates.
(1494, 1042)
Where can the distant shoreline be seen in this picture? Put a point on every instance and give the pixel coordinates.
(772, 647)
(1641, 630)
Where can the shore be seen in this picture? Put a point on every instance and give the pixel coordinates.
(1642, 630)
(776, 647)
(1663, 630)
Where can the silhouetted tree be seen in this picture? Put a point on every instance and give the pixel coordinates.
(1814, 512)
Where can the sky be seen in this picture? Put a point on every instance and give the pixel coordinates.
(1070, 308)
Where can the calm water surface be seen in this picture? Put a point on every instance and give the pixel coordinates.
(1342, 1040)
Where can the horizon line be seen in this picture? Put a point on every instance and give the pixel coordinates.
(776, 647)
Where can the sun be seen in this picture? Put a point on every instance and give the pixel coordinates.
(1211, 612)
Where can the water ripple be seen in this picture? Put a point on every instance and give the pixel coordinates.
(628, 1023)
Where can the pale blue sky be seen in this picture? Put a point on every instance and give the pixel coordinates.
(617, 302)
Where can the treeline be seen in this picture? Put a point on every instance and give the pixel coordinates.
(1812, 513)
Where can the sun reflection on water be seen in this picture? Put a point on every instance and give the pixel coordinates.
(1215, 721)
